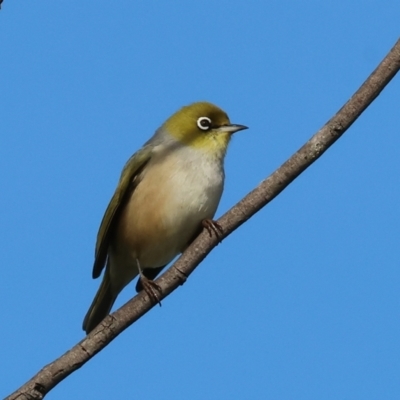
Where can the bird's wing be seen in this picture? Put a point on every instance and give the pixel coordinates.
(126, 185)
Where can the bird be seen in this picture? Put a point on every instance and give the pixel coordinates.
(168, 191)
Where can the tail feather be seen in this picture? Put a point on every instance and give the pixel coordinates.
(101, 305)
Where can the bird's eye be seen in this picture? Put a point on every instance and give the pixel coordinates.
(204, 123)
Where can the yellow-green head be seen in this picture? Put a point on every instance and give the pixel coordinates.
(203, 126)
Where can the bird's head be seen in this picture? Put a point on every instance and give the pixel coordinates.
(203, 126)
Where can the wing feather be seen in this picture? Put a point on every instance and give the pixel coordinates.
(126, 185)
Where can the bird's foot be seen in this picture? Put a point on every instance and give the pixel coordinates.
(213, 227)
(151, 288)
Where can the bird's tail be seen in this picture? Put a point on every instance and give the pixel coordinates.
(101, 305)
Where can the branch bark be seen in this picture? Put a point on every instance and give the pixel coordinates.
(114, 324)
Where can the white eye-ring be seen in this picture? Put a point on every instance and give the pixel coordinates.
(204, 123)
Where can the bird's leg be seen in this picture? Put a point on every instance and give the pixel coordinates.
(149, 286)
(213, 226)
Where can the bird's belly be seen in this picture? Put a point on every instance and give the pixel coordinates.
(165, 212)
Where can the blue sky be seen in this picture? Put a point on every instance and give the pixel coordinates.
(302, 302)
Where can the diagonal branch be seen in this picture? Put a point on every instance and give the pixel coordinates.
(114, 324)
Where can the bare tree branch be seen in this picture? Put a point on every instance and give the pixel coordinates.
(114, 324)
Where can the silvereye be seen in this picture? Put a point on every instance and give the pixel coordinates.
(167, 191)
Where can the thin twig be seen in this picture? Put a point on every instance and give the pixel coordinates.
(115, 323)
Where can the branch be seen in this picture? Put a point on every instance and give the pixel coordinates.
(114, 324)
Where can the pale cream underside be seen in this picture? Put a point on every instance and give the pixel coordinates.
(165, 211)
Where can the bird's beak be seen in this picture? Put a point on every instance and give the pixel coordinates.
(232, 128)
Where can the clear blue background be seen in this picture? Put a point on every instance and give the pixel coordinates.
(303, 301)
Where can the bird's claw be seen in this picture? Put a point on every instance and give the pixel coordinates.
(213, 227)
(151, 288)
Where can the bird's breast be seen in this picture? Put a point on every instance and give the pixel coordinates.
(175, 193)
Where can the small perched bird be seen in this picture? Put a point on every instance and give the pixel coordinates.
(167, 192)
